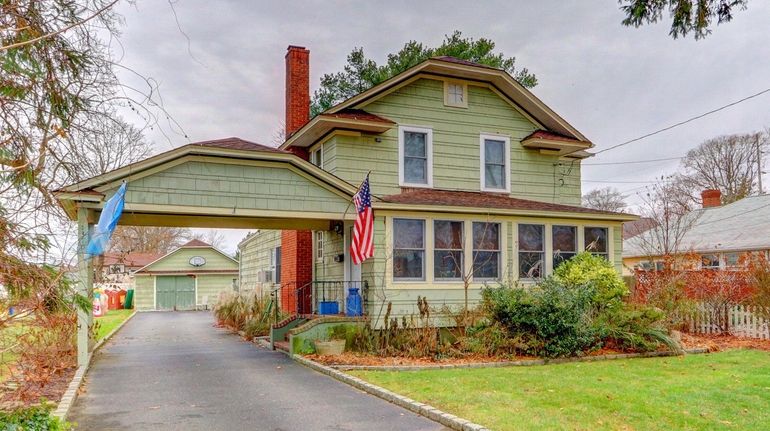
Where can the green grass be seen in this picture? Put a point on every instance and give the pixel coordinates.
(110, 321)
(727, 390)
(9, 354)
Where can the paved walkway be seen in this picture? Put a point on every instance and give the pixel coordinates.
(175, 371)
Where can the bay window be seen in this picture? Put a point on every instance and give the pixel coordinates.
(408, 249)
(447, 250)
(531, 250)
(486, 250)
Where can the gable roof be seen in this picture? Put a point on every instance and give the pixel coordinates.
(743, 225)
(193, 243)
(196, 243)
(487, 201)
(135, 260)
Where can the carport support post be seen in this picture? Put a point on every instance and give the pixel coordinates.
(85, 288)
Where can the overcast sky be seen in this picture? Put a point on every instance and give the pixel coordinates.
(613, 83)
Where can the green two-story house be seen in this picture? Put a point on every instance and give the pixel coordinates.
(475, 181)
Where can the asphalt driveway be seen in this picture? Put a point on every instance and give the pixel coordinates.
(176, 371)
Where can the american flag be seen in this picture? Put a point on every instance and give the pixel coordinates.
(362, 244)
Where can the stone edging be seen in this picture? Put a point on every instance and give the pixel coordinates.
(432, 413)
(71, 394)
(521, 363)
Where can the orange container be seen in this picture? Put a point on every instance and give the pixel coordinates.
(113, 299)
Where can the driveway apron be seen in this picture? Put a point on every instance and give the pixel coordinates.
(176, 371)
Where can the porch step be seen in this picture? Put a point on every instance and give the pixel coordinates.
(282, 346)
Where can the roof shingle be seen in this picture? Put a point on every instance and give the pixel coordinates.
(235, 144)
(481, 200)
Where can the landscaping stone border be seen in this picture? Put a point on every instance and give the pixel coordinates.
(521, 363)
(71, 394)
(432, 413)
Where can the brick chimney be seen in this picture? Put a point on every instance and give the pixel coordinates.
(297, 88)
(296, 245)
(711, 198)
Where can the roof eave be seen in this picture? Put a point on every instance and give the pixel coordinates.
(620, 217)
(321, 125)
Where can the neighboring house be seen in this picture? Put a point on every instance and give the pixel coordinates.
(118, 268)
(470, 174)
(260, 261)
(190, 277)
(715, 237)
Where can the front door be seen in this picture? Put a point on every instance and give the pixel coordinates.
(174, 293)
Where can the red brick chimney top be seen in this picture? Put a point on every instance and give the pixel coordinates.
(297, 88)
(711, 198)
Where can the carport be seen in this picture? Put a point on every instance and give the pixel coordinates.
(226, 183)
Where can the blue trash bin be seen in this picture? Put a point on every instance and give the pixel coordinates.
(328, 307)
(353, 303)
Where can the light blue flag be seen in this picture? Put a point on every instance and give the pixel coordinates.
(111, 213)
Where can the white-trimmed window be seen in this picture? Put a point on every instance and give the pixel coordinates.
(319, 246)
(455, 94)
(317, 156)
(709, 261)
(495, 156)
(415, 156)
(732, 260)
(596, 241)
(486, 251)
(564, 243)
(448, 250)
(531, 250)
(408, 249)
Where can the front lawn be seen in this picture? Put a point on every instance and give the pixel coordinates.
(727, 390)
(110, 321)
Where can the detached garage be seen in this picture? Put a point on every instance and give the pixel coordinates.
(189, 278)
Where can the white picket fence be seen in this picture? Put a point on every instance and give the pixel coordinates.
(740, 320)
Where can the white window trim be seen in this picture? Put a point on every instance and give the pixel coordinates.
(499, 251)
(434, 249)
(320, 150)
(428, 149)
(425, 249)
(482, 162)
(464, 85)
(319, 243)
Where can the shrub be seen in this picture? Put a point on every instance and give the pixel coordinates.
(634, 327)
(33, 418)
(550, 319)
(585, 269)
(491, 340)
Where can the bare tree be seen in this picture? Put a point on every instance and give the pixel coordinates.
(730, 164)
(147, 239)
(671, 223)
(605, 199)
(212, 237)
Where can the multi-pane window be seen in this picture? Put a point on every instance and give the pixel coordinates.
(486, 250)
(596, 241)
(447, 249)
(408, 249)
(455, 94)
(494, 163)
(275, 264)
(732, 260)
(564, 242)
(319, 245)
(709, 261)
(531, 250)
(415, 153)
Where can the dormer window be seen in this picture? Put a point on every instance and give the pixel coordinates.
(455, 94)
(415, 156)
(495, 155)
(317, 156)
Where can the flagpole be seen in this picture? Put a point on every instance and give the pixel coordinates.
(359, 188)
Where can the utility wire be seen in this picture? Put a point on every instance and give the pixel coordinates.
(723, 107)
(632, 162)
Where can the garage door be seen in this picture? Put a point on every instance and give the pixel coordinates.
(175, 293)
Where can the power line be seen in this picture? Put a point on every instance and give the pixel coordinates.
(632, 162)
(723, 107)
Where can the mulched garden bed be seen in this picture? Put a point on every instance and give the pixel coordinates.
(52, 391)
(713, 343)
